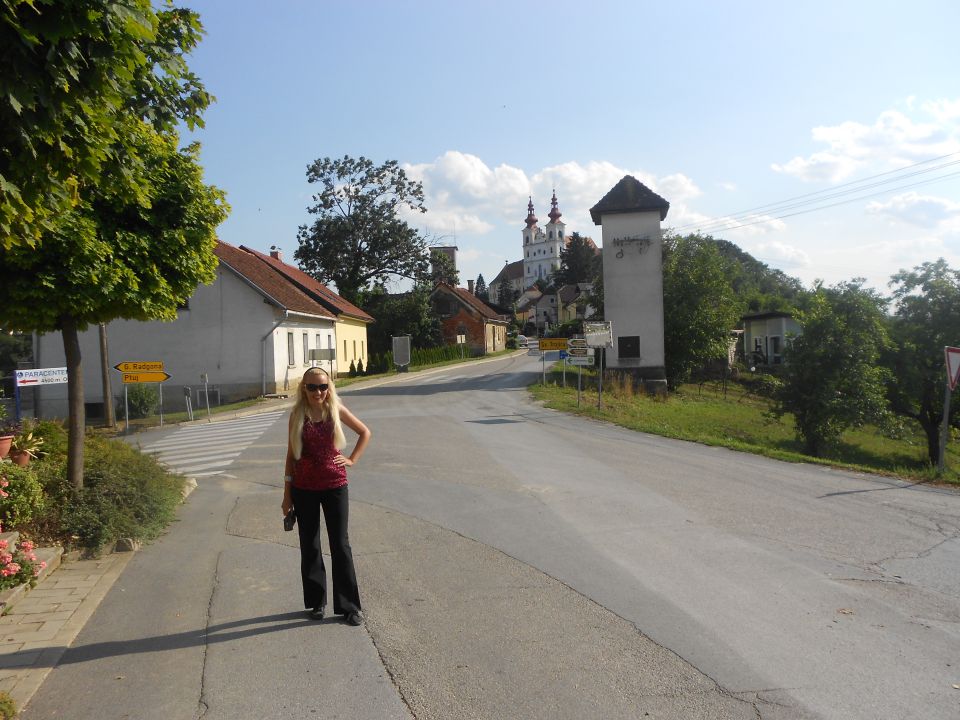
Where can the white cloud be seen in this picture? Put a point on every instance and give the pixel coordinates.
(895, 139)
(922, 210)
(729, 186)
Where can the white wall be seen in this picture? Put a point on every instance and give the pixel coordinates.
(633, 288)
(219, 334)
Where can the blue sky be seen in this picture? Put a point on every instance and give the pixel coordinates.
(718, 107)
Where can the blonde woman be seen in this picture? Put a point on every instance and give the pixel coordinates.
(316, 479)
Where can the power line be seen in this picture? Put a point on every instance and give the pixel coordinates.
(819, 196)
(723, 226)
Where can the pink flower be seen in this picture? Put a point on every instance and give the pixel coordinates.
(4, 493)
(5, 558)
(26, 545)
(43, 564)
(14, 568)
(3, 544)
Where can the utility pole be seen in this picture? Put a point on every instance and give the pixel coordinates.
(108, 416)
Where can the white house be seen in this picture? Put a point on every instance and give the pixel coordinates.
(250, 332)
(765, 335)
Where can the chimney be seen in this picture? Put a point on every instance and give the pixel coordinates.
(275, 253)
(470, 286)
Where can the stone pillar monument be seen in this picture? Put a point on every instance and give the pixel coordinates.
(630, 216)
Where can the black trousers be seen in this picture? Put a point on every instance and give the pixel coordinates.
(334, 503)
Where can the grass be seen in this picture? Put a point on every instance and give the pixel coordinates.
(740, 420)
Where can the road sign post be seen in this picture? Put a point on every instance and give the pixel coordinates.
(134, 372)
(952, 361)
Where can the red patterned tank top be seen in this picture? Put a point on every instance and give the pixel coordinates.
(316, 470)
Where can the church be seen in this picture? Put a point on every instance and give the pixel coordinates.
(541, 256)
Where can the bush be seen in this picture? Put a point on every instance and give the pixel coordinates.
(21, 496)
(8, 708)
(353, 369)
(359, 367)
(125, 494)
(143, 401)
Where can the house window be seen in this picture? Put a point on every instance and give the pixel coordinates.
(362, 350)
(318, 342)
(291, 354)
(628, 346)
(344, 350)
(354, 349)
(775, 350)
(306, 348)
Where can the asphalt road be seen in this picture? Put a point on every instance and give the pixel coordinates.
(518, 563)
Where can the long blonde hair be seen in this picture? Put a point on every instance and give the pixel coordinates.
(329, 410)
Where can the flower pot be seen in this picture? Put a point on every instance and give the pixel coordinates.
(5, 441)
(20, 457)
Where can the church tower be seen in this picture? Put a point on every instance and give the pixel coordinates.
(541, 247)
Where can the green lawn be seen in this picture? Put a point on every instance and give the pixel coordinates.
(740, 420)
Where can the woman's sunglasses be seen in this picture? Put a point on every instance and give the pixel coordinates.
(314, 388)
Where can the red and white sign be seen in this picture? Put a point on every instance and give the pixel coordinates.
(41, 376)
(953, 365)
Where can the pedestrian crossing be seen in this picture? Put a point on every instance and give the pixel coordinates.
(205, 450)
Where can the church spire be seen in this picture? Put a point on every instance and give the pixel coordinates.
(531, 218)
(554, 210)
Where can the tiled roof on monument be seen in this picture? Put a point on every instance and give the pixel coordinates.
(629, 195)
(510, 271)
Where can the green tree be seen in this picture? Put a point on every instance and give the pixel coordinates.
(832, 379)
(927, 319)
(400, 314)
(480, 289)
(578, 262)
(442, 269)
(699, 305)
(140, 236)
(72, 71)
(358, 238)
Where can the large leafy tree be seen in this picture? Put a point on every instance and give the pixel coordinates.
(72, 71)
(579, 261)
(400, 314)
(699, 305)
(927, 318)
(140, 234)
(358, 238)
(832, 376)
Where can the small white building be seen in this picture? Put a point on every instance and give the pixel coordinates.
(630, 215)
(765, 335)
(250, 332)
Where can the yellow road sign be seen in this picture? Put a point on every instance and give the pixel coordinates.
(139, 366)
(553, 343)
(144, 377)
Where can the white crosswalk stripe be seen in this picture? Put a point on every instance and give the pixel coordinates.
(206, 450)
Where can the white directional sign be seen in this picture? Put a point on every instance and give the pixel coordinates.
(577, 343)
(580, 360)
(953, 365)
(41, 376)
(580, 352)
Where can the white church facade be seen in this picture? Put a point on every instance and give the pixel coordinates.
(542, 246)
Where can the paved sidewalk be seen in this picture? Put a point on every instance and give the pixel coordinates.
(43, 623)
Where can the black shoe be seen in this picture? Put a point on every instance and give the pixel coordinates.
(316, 613)
(354, 618)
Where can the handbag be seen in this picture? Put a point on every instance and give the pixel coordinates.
(289, 520)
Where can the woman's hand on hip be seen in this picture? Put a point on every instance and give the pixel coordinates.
(343, 460)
